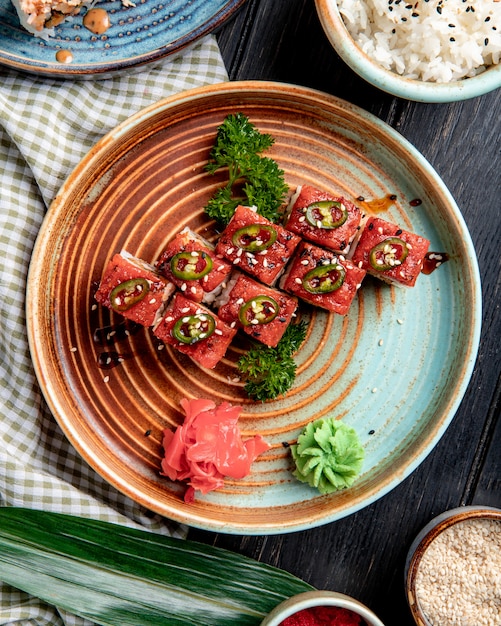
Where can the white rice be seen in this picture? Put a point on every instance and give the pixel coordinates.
(429, 40)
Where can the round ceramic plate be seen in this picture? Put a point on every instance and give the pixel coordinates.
(395, 368)
(139, 35)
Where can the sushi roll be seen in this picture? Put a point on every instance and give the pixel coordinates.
(134, 289)
(390, 253)
(256, 246)
(324, 219)
(190, 262)
(323, 279)
(194, 330)
(261, 312)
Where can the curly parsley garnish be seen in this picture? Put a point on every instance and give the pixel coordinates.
(253, 180)
(271, 372)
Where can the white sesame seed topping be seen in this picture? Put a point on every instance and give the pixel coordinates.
(106, 379)
(304, 262)
(298, 281)
(230, 251)
(183, 287)
(73, 349)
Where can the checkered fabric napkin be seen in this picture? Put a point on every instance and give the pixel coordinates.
(46, 127)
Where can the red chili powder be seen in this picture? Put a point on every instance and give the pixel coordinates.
(324, 616)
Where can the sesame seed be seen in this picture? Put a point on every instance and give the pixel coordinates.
(183, 287)
(218, 331)
(400, 321)
(380, 342)
(374, 390)
(298, 281)
(185, 309)
(193, 290)
(106, 379)
(160, 346)
(73, 349)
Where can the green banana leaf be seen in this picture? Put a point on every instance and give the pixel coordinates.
(120, 576)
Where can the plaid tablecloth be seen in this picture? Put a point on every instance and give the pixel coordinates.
(46, 127)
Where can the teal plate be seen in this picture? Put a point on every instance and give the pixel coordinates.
(139, 35)
(395, 367)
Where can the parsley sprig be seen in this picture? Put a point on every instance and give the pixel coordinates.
(253, 180)
(271, 372)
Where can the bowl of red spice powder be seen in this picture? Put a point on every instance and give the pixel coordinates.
(453, 569)
(321, 608)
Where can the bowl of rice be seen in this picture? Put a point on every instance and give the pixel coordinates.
(421, 50)
(453, 569)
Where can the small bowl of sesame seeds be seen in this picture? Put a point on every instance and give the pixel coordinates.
(453, 569)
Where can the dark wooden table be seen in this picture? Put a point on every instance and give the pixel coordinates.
(364, 554)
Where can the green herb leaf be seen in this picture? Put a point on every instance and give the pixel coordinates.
(253, 180)
(271, 372)
(119, 576)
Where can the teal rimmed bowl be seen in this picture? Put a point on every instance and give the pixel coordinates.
(391, 82)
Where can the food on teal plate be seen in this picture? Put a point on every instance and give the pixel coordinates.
(328, 455)
(256, 245)
(390, 253)
(207, 447)
(261, 312)
(436, 41)
(325, 219)
(323, 278)
(40, 17)
(134, 289)
(189, 261)
(195, 330)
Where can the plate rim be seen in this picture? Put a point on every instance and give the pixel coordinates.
(170, 49)
(260, 87)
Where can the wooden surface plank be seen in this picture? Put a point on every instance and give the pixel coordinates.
(364, 554)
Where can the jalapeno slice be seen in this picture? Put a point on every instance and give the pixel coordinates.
(258, 310)
(125, 295)
(255, 238)
(388, 253)
(326, 214)
(190, 265)
(192, 328)
(324, 278)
